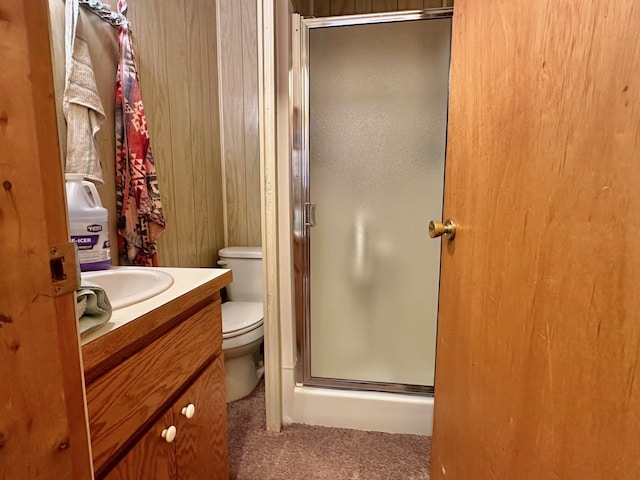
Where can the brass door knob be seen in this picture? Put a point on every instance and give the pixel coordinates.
(446, 229)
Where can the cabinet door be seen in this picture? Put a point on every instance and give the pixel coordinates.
(152, 457)
(201, 444)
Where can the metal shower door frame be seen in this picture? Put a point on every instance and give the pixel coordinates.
(300, 191)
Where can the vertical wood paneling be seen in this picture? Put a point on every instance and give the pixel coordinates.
(173, 42)
(238, 76)
(324, 8)
(154, 82)
(251, 133)
(177, 53)
(306, 8)
(321, 8)
(232, 118)
(196, 132)
(175, 49)
(343, 7)
(363, 6)
(411, 4)
(213, 167)
(384, 5)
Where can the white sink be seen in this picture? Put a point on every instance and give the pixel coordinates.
(128, 285)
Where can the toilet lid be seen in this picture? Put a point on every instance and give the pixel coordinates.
(241, 317)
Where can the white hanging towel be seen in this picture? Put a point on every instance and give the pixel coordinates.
(81, 103)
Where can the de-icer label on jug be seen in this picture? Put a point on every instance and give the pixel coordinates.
(88, 221)
(92, 240)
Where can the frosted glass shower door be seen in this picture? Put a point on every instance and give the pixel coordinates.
(377, 131)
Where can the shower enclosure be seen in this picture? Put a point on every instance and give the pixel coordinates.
(370, 111)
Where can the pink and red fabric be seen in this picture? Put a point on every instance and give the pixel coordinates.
(138, 204)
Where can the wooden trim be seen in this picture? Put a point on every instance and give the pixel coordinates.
(221, 115)
(43, 426)
(268, 187)
(284, 115)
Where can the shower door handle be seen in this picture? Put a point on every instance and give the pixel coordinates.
(310, 214)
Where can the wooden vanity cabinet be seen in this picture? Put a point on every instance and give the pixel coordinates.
(142, 378)
(195, 452)
(150, 457)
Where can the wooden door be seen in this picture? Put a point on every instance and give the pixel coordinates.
(539, 324)
(201, 443)
(43, 426)
(151, 457)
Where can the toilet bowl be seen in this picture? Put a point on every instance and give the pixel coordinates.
(242, 321)
(242, 336)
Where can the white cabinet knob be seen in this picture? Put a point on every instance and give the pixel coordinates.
(189, 411)
(169, 434)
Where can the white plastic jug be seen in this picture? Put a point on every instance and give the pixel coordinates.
(88, 223)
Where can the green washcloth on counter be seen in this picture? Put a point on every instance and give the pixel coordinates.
(92, 308)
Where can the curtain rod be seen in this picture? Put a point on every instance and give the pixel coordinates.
(104, 12)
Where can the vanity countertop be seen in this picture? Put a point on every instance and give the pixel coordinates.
(185, 280)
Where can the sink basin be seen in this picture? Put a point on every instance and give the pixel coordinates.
(128, 285)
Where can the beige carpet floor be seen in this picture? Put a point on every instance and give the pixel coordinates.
(303, 452)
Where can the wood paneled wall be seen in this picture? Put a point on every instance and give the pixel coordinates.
(195, 136)
(238, 76)
(325, 8)
(175, 49)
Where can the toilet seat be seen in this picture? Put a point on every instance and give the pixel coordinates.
(239, 318)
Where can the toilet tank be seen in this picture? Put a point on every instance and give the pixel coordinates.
(246, 264)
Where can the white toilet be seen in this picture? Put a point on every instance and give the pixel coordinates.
(242, 321)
